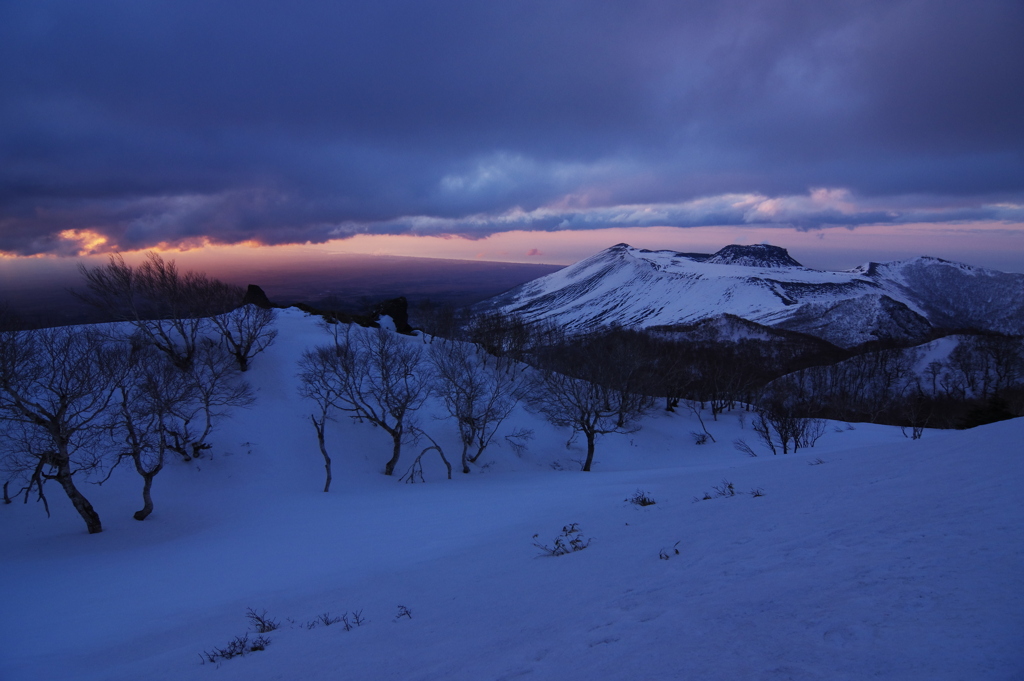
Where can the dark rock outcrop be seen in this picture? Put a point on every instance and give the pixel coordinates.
(754, 255)
(397, 309)
(254, 295)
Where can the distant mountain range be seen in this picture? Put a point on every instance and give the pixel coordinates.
(906, 300)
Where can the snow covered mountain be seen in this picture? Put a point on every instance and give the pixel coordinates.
(904, 300)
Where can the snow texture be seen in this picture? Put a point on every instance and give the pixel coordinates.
(892, 559)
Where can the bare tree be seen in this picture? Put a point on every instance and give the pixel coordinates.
(55, 387)
(966, 367)
(672, 374)
(809, 432)
(438, 320)
(377, 376)
(784, 409)
(216, 390)
(917, 410)
(320, 381)
(169, 308)
(934, 371)
(694, 407)
(160, 408)
(501, 335)
(153, 393)
(478, 393)
(1003, 361)
(596, 389)
(763, 429)
(589, 408)
(247, 331)
(415, 471)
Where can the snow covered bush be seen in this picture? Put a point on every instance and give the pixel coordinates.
(260, 621)
(569, 541)
(239, 646)
(641, 498)
(741, 445)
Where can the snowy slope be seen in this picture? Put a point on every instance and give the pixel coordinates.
(893, 559)
(639, 288)
(955, 295)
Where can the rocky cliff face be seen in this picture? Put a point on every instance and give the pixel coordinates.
(758, 255)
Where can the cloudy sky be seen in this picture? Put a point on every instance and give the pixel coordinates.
(519, 125)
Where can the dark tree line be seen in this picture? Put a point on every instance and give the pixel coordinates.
(176, 311)
(982, 380)
(781, 378)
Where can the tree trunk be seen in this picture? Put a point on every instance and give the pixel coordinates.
(479, 453)
(447, 465)
(465, 457)
(319, 425)
(147, 499)
(590, 451)
(389, 469)
(82, 505)
(696, 413)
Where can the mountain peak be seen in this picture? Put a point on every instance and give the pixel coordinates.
(637, 288)
(755, 255)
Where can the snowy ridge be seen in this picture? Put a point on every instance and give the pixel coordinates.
(902, 300)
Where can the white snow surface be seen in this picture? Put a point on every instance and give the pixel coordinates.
(893, 559)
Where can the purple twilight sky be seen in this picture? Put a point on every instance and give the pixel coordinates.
(136, 124)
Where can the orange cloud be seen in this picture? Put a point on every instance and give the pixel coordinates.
(88, 241)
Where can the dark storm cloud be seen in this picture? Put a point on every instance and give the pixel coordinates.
(153, 122)
(820, 208)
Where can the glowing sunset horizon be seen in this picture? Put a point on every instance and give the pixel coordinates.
(993, 245)
(511, 131)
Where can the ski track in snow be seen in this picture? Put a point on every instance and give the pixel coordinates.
(894, 559)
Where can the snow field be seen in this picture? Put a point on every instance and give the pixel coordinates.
(893, 559)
